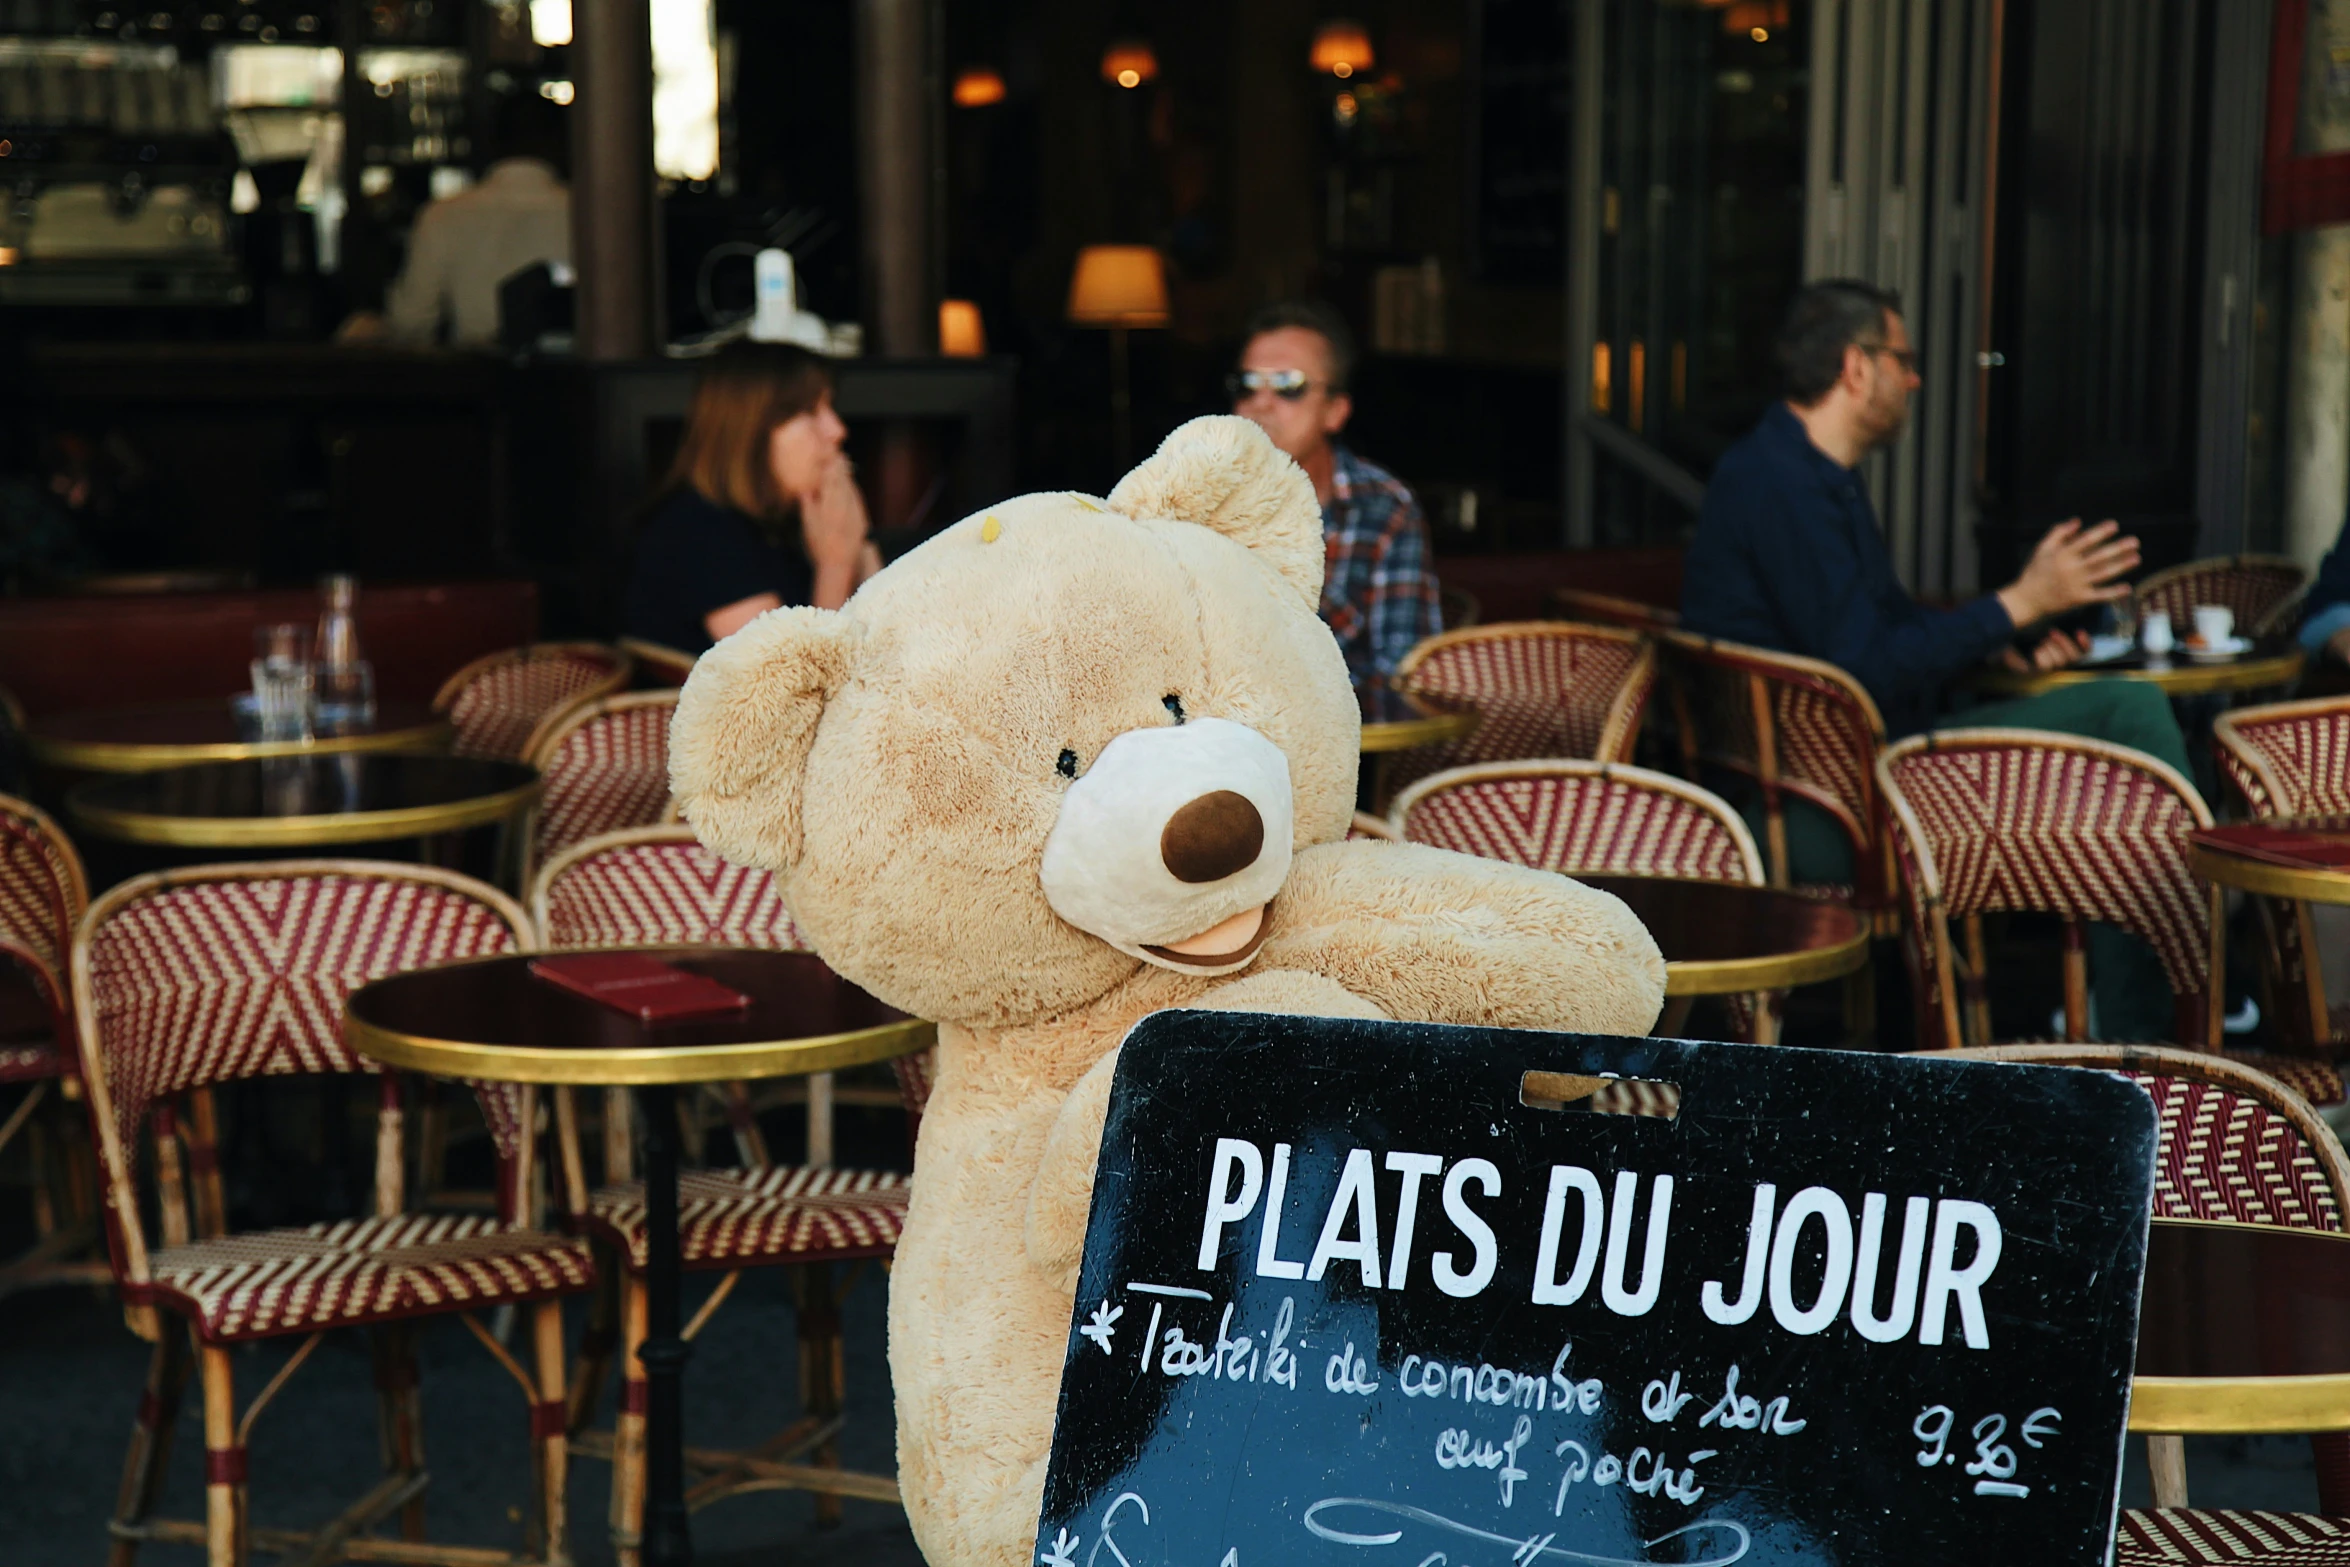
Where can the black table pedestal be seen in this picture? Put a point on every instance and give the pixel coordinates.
(668, 1540)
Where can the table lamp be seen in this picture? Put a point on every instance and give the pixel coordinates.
(1119, 287)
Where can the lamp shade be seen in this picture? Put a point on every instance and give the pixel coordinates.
(961, 333)
(1129, 62)
(1118, 285)
(977, 86)
(1341, 48)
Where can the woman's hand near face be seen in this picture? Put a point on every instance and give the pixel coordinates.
(833, 525)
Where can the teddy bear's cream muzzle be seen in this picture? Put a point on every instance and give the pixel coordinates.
(1173, 843)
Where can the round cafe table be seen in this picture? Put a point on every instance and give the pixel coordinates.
(490, 1018)
(2243, 1328)
(2213, 861)
(1396, 720)
(2270, 662)
(303, 801)
(178, 734)
(1724, 938)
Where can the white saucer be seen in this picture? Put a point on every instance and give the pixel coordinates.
(2104, 650)
(2218, 652)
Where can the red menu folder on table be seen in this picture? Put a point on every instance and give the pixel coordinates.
(645, 988)
(2297, 848)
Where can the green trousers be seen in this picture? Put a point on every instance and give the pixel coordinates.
(2129, 993)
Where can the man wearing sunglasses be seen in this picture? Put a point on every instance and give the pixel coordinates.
(1788, 556)
(1378, 596)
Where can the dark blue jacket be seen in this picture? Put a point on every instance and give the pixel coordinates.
(1788, 556)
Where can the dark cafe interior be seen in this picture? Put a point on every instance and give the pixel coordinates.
(622, 636)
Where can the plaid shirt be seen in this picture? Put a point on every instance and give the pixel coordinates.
(1377, 594)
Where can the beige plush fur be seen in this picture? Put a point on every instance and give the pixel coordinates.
(895, 762)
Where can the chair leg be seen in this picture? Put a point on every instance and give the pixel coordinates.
(224, 1464)
(823, 1371)
(400, 1414)
(2166, 1466)
(628, 1428)
(2332, 1452)
(547, 1431)
(150, 1455)
(594, 1363)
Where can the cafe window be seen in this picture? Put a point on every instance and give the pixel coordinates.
(1703, 135)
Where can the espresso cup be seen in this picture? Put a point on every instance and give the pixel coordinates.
(2214, 624)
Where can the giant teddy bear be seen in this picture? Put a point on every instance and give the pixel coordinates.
(1067, 763)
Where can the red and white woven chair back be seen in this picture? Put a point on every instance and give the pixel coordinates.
(189, 978)
(2289, 759)
(605, 766)
(42, 894)
(496, 703)
(2253, 586)
(2234, 1144)
(1589, 818)
(1606, 609)
(1541, 689)
(1991, 820)
(657, 884)
(1818, 731)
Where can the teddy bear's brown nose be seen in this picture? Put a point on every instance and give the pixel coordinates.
(1212, 837)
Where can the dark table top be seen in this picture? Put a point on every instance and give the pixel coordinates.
(357, 797)
(493, 1018)
(2271, 660)
(1722, 937)
(170, 734)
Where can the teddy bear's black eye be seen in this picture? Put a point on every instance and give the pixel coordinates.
(1067, 765)
(1173, 704)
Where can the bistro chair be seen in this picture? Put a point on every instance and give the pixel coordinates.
(2256, 587)
(2291, 760)
(605, 765)
(1586, 818)
(1992, 820)
(1541, 688)
(2233, 1146)
(1605, 609)
(497, 703)
(42, 894)
(656, 664)
(189, 978)
(1365, 825)
(658, 884)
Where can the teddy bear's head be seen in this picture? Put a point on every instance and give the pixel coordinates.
(1063, 739)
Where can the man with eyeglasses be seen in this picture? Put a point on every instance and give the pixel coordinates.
(1788, 556)
(1378, 595)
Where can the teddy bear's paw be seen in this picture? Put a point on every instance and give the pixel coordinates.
(1062, 1194)
(1292, 992)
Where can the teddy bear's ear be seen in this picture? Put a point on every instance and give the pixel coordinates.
(738, 747)
(1223, 473)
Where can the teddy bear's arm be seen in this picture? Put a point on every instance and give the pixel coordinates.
(1063, 1193)
(1435, 937)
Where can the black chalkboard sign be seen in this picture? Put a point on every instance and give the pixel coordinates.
(1830, 1308)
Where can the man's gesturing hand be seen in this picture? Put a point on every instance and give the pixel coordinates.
(2072, 567)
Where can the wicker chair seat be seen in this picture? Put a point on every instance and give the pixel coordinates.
(744, 1218)
(21, 1063)
(354, 1271)
(2191, 1534)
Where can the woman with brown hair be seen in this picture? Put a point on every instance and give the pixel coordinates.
(762, 509)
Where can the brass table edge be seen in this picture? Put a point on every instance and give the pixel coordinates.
(2199, 1406)
(1403, 733)
(1776, 971)
(147, 756)
(637, 1065)
(2269, 881)
(2183, 678)
(256, 832)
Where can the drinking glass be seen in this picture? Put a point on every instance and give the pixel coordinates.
(283, 681)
